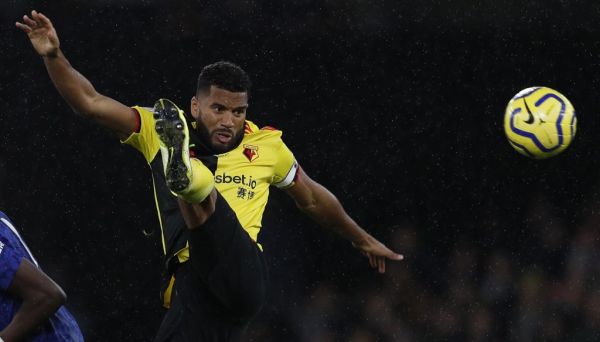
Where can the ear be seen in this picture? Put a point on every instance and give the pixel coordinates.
(195, 107)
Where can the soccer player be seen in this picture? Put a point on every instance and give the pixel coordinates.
(212, 172)
(30, 302)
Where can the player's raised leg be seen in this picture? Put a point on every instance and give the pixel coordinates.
(223, 285)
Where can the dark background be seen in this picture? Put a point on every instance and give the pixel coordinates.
(396, 107)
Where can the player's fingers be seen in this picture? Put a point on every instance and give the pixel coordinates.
(44, 19)
(388, 253)
(30, 22)
(23, 27)
(381, 265)
(372, 261)
(394, 256)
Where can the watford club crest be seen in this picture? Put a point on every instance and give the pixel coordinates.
(251, 152)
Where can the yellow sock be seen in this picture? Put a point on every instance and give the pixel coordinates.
(203, 181)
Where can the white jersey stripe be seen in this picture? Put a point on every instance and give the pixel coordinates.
(14, 230)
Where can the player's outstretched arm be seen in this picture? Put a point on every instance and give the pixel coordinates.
(41, 298)
(322, 206)
(74, 87)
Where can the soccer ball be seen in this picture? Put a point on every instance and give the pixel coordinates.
(540, 122)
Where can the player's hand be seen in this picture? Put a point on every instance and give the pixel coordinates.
(377, 253)
(41, 33)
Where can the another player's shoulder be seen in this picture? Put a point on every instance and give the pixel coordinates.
(6, 226)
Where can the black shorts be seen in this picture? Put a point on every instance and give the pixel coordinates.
(221, 287)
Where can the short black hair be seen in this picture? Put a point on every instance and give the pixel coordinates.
(224, 75)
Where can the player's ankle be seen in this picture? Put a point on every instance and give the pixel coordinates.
(201, 183)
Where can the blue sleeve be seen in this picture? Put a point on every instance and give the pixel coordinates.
(10, 260)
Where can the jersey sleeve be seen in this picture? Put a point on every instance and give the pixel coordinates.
(146, 140)
(285, 168)
(10, 260)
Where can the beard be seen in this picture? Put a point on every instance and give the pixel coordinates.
(206, 139)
